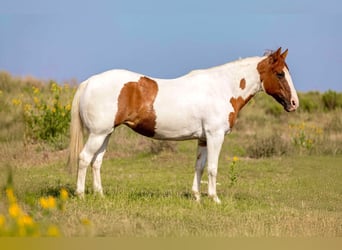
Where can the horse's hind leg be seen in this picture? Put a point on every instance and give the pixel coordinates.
(87, 156)
(96, 165)
(199, 167)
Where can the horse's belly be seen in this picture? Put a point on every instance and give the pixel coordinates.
(174, 127)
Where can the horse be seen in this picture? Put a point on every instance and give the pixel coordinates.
(201, 105)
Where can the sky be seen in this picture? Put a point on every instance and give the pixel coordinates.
(75, 39)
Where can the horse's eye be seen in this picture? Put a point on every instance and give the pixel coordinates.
(281, 75)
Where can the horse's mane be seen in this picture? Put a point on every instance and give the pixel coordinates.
(268, 52)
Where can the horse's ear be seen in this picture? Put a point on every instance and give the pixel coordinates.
(284, 54)
(274, 56)
(278, 52)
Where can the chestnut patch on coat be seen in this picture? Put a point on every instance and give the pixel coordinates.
(237, 104)
(242, 83)
(135, 106)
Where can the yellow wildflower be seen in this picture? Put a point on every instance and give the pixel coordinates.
(55, 88)
(64, 194)
(36, 90)
(47, 202)
(86, 222)
(68, 107)
(319, 131)
(27, 107)
(14, 210)
(25, 220)
(235, 159)
(16, 102)
(36, 100)
(43, 203)
(10, 195)
(53, 231)
(51, 202)
(2, 220)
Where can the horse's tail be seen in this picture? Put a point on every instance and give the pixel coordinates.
(76, 130)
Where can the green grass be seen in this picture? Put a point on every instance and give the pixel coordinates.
(150, 196)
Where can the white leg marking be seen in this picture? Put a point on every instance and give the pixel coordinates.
(81, 175)
(199, 167)
(92, 146)
(214, 144)
(97, 185)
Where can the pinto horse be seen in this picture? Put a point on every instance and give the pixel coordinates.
(201, 105)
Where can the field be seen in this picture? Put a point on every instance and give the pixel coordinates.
(285, 179)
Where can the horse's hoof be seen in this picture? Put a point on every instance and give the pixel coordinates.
(99, 194)
(80, 195)
(197, 197)
(216, 199)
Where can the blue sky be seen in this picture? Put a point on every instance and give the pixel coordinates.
(63, 39)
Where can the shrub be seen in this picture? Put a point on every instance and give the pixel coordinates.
(331, 100)
(274, 109)
(46, 119)
(270, 106)
(308, 104)
(267, 146)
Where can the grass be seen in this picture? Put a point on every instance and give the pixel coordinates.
(281, 189)
(150, 196)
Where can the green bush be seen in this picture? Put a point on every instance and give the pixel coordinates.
(274, 109)
(46, 119)
(331, 100)
(308, 103)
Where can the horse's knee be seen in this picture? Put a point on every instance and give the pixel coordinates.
(84, 161)
(212, 171)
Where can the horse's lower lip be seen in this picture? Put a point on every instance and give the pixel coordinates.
(291, 109)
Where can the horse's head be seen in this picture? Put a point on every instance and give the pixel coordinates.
(276, 80)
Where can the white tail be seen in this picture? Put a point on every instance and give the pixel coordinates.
(76, 130)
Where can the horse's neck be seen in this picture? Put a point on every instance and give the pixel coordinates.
(244, 79)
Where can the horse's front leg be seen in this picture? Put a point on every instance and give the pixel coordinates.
(200, 164)
(214, 144)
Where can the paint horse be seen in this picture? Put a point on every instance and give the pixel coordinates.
(202, 105)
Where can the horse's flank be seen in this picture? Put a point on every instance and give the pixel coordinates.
(135, 106)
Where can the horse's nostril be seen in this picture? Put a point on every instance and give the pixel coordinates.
(293, 103)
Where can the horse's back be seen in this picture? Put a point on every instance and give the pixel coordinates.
(174, 103)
